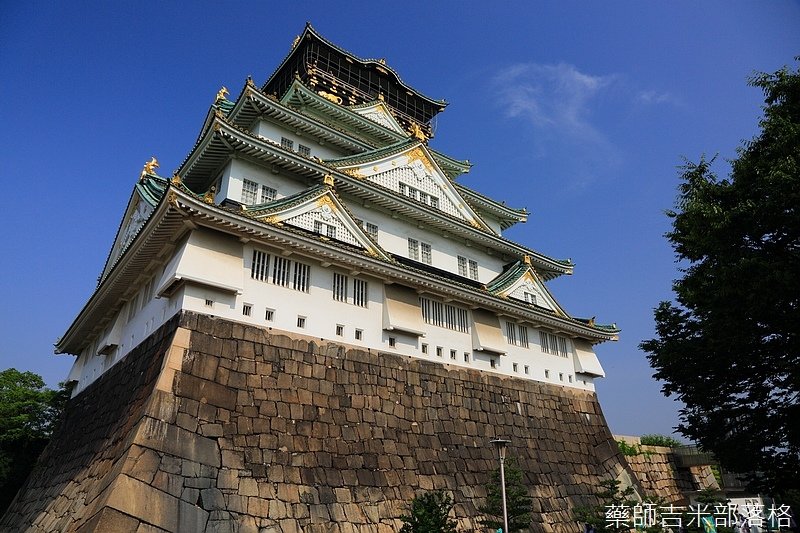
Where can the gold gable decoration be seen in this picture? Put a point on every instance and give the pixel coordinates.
(149, 167)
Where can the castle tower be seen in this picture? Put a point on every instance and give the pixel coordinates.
(310, 321)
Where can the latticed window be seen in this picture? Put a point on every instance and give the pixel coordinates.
(339, 287)
(268, 194)
(462, 266)
(249, 192)
(371, 229)
(425, 248)
(473, 269)
(444, 315)
(529, 297)
(287, 144)
(303, 150)
(413, 249)
(322, 228)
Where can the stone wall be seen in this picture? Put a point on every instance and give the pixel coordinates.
(236, 428)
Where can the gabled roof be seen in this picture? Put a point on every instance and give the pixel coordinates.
(324, 205)
(519, 275)
(221, 139)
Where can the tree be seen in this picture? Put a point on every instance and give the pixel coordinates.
(729, 349)
(28, 415)
(601, 516)
(430, 514)
(518, 503)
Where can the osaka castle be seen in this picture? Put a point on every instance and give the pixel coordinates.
(316, 204)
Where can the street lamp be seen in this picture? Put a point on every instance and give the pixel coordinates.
(501, 444)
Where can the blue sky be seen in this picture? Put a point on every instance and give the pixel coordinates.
(580, 111)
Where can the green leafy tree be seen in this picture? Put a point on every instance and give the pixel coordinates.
(729, 348)
(430, 514)
(28, 414)
(659, 440)
(610, 497)
(518, 503)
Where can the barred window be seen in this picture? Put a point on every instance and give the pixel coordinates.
(372, 230)
(301, 277)
(287, 144)
(339, 287)
(360, 292)
(444, 315)
(280, 271)
(517, 334)
(416, 194)
(529, 297)
(249, 192)
(554, 344)
(259, 269)
(303, 150)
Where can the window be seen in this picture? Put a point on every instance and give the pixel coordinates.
(268, 194)
(444, 315)
(209, 303)
(569, 378)
(301, 321)
(322, 228)
(339, 287)
(301, 275)
(247, 309)
(303, 150)
(473, 269)
(339, 330)
(287, 144)
(515, 366)
(452, 354)
(466, 357)
(517, 334)
(280, 271)
(467, 267)
(554, 344)
(493, 362)
(438, 351)
(269, 315)
(359, 334)
(260, 265)
(547, 374)
(527, 369)
(529, 297)
(425, 248)
(360, 292)
(392, 342)
(249, 192)
(416, 194)
(424, 348)
(560, 376)
(413, 249)
(371, 229)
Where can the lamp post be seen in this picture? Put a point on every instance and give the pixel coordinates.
(501, 444)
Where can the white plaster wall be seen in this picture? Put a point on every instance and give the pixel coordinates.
(393, 235)
(274, 132)
(238, 170)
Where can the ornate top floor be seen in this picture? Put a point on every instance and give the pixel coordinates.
(306, 213)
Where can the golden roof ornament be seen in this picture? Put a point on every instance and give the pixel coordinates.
(416, 131)
(295, 42)
(332, 97)
(380, 97)
(526, 260)
(176, 180)
(149, 167)
(591, 322)
(208, 197)
(328, 180)
(221, 94)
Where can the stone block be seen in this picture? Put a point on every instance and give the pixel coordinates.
(163, 437)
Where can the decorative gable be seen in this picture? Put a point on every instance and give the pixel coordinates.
(411, 171)
(521, 282)
(378, 112)
(319, 211)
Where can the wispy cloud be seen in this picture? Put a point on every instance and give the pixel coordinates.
(656, 97)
